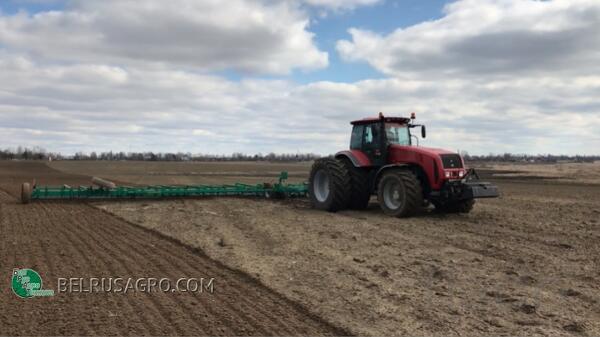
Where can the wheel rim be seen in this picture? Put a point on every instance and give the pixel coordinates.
(393, 194)
(321, 185)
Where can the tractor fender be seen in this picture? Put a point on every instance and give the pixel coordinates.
(358, 158)
(383, 169)
(387, 167)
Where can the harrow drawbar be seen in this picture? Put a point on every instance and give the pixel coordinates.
(108, 190)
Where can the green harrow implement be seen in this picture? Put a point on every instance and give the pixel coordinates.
(108, 190)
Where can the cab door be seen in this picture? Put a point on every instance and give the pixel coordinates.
(374, 144)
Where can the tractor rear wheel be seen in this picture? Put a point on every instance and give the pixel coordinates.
(399, 193)
(463, 206)
(329, 185)
(360, 193)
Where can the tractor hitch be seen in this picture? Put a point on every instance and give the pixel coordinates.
(470, 187)
(474, 190)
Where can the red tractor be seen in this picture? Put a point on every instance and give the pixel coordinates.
(383, 160)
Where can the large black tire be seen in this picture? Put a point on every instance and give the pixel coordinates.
(360, 191)
(399, 193)
(329, 185)
(463, 206)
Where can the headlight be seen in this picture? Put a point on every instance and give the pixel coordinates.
(461, 173)
(447, 174)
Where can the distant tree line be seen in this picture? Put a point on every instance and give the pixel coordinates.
(524, 158)
(37, 153)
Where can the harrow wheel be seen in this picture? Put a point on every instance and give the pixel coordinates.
(25, 193)
(399, 193)
(329, 185)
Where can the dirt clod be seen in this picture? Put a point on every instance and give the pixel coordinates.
(578, 327)
(528, 308)
(570, 292)
(497, 322)
(528, 280)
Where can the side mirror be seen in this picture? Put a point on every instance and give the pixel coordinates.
(423, 131)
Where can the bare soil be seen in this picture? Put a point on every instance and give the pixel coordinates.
(569, 173)
(524, 264)
(185, 173)
(73, 239)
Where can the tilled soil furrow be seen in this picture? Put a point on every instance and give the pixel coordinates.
(232, 301)
(272, 313)
(9, 236)
(129, 266)
(70, 245)
(164, 271)
(29, 252)
(95, 259)
(80, 241)
(233, 298)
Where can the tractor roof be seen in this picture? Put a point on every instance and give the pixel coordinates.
(370, 120)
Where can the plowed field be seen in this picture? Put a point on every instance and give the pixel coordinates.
(75, 240)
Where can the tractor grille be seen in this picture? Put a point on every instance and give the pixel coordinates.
(451, 161)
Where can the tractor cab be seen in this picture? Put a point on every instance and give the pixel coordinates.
(373, 136)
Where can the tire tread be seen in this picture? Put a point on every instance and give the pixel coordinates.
(360, 193)
(414, 193)
(340, 186)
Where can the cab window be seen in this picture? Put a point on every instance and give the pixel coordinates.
(397, 133)
(357, 136)
(371, 136)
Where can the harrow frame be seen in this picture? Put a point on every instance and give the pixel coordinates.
(276, 190)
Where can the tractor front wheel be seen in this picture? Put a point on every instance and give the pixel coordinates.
(399, 193)
(329, 185)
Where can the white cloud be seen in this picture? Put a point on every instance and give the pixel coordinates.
(60, 108)
(92, 91)
(488, 38)
(503, 75)
(251, 36)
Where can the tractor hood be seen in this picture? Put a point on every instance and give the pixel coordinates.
(428, 151)
(424, 156)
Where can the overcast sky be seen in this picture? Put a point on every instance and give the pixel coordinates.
(212, 76)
